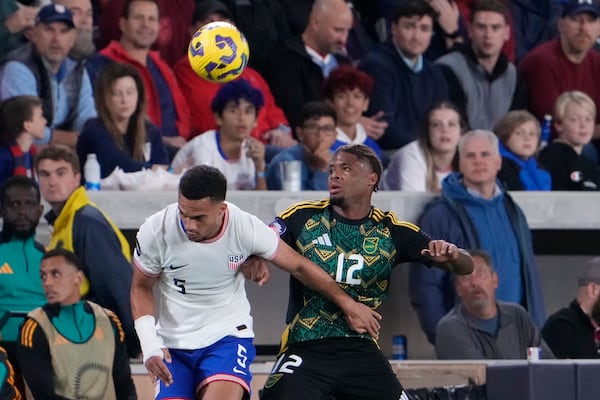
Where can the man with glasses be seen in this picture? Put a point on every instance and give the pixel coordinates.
(316, 135)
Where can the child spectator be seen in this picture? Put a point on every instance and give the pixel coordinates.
(574, 121)
(421, 165)
(121, 136)
(519, 133)
(21, 122)
(316, 134)
(348, 89)
(230, 148)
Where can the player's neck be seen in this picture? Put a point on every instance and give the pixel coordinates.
(354, 210)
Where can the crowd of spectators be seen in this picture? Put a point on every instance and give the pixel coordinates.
(450, 94)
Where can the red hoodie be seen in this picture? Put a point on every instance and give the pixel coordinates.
(116, 52)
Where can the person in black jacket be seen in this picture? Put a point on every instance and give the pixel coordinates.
(574, 331)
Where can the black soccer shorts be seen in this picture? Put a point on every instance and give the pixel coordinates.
(342, 368)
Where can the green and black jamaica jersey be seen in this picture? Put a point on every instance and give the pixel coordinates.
(358, 254)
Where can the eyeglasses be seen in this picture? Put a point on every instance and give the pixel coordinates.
(315, 128)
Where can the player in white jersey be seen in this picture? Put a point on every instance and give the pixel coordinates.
(199, 321)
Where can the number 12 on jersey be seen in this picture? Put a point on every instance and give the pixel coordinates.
(347, 268)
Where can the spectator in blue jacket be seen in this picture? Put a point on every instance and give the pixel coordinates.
(407, 85)
(43, 68)
(474, 211)
(316, 134)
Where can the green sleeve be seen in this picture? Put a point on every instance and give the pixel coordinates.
(3, 373)
(8, 40)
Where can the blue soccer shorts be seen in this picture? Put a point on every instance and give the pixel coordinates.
(228, 359)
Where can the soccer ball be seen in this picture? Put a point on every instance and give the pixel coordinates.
(218, 52)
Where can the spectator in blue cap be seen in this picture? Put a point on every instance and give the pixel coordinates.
(43, 68)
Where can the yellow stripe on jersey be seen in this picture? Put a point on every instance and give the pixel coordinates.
(27, 333)
(319, 204)
(380, 215)
(117, 322)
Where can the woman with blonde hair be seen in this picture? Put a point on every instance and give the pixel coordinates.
(121, 135)
(420, 166)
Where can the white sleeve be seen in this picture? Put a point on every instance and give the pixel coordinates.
(265, 240)
(413, 168)
(184, 155)
(147, 253)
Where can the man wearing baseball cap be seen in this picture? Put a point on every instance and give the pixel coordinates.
(574, 331)
(567, 62)
(42, 68)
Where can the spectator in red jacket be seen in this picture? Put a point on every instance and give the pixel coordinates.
(271, 127)
(167, 107)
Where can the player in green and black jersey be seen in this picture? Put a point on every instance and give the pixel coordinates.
(358, 245)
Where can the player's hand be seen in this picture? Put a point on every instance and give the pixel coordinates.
(157, 368)
(256, 269)
(440, 251)
(363, 319)
(375, 125)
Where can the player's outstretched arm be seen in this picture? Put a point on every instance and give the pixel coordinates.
(142, 306)
(448, 256)
(360, 317)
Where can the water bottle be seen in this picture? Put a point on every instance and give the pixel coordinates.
(546, 131)
(399, 347)
(91, 172)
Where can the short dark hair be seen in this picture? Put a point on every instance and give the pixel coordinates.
(365, 153)
(484, 255)
(18, 181)
(316, 110)
(127, 7)
(203, 181)
(70, 257)
(14, 112)
(414, 8)
(235, 91)
(59, 152)
(496, 6)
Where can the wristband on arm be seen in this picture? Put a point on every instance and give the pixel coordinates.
(151, 343)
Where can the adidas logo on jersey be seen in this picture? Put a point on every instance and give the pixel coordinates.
(323, 240)
(6, 269)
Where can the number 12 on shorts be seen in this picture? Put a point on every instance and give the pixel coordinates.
(286, 363)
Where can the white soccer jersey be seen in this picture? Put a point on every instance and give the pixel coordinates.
(204, 150)
(199, 297)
